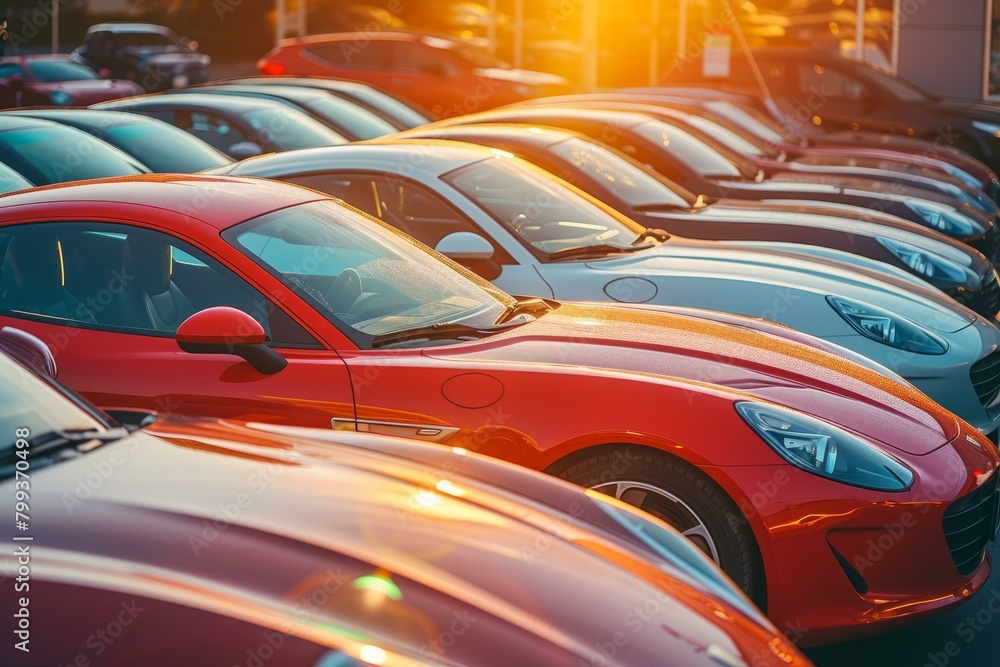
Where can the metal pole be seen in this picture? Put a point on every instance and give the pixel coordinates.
(897, 8)
(859, 32)
(654, 45)
(302, 18)
(55, 26)
(590, 45)
(279, 20)
(682, 29)
(491, 27)
(518, 33)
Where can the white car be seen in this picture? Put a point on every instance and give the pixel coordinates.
(533, 234)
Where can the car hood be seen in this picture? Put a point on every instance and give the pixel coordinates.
(643, 343)
(399, 553)
(842, 217)
(903, 295)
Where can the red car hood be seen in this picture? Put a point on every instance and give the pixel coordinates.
(178, 516)
(643, 342)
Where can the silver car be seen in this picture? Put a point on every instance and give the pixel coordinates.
(533, 234)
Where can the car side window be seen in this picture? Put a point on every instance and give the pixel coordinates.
(213, 129)
(412, 56)
(401, 203)
(347, 53)
(829, 83)
(8, 70)
(120, 278)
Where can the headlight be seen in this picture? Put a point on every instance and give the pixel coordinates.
(989, 128)
(925, 262)
(885, 327)
(962, 175)
(824, 449)
(61, 98)
(942, 218)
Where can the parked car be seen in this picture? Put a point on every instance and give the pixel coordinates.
(152, 56)
(654, 202)
(342, 116)
(367, 590)
(777, 149)
(441, 74)
(43, 152)
(756, 156)
(56, 80)
(159, 146)
(532, 233)
(402, 115)
(857, 96)
(684, 158)
(276, 305)
(238, 126)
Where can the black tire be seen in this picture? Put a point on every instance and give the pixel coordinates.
(734, 544)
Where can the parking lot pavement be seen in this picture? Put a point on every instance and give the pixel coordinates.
(968, 636)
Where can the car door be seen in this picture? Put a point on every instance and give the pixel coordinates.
(108, 302)
(424, 214)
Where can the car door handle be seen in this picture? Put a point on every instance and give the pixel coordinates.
(427, 432)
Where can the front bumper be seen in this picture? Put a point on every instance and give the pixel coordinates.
(842, 563)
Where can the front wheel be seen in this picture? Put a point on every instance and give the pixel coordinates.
(684, 497)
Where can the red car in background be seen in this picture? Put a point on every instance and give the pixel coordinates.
(54, 80)
(443, 75)
(252, 300)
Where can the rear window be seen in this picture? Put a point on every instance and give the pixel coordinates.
(59, 154)
(145, 142)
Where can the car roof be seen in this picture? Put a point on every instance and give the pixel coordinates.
(9, 122)
(96, 118)
(437, 157)
(219, 201)
(291, 93)
(233, 103)
(524, 134)
(380, 36)
(37, 56)
(627, 118)
(127, 26)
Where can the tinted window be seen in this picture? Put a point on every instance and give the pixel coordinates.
(10, 180)
(60, 70)
(286, 129)
(832, 83)
(387, 106)
(58, 154)
(347, 53)
(689, 150)
(407, 206)
(8, 70)
(354, 120)
(141, 39)
(120, 278)
(539, 210)
(360, 274)
(605, 170)
(146, 143)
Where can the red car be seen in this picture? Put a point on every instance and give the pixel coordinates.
(443, 75)
(53, 80)
(330, 549)
(257, 301)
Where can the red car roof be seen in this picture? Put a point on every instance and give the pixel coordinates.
(221, 201)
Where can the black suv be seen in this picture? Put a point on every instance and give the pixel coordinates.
(153, 56)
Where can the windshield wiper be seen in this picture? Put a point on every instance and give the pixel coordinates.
(599, 250)
(54, 441)
(530, 306)
(439, 331)
(659, 235)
